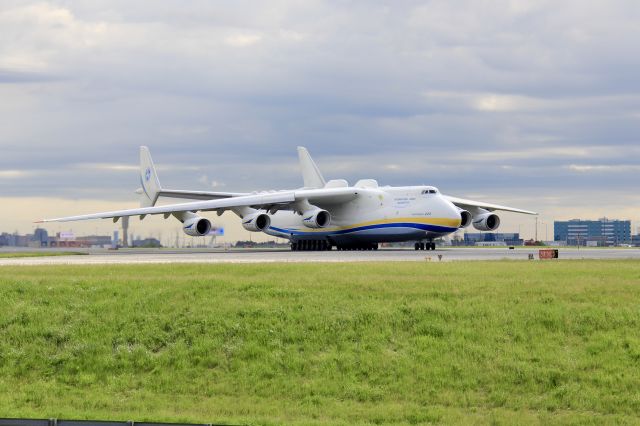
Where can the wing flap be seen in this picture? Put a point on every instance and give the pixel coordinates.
(464, 203)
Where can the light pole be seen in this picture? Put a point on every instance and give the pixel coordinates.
(546, 231)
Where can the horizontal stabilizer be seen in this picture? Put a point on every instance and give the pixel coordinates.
(198, 195)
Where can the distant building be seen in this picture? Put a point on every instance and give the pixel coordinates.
(14, 240)
(94, 241)
(40, 238)
(146, 242)
(602, 232)
(5, 239)
(492, 239)
(635, 240)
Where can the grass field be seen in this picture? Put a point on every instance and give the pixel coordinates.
(10, 254)
(381, 343)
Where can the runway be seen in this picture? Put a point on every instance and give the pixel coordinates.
(449, 254)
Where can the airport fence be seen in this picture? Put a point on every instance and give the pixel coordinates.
(61, 422)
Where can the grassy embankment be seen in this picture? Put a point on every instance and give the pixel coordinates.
(406, 343)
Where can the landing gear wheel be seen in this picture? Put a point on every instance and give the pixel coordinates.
(433, 246)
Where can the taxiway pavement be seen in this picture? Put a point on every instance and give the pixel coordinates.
(141, 256)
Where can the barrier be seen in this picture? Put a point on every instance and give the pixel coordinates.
(548, 254)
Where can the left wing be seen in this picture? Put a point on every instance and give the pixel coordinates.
(282, 200)
(466, 204)
(197, 195)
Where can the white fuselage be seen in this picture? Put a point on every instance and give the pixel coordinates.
(383, 214)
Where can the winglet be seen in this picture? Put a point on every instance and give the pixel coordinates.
(148, 179)
(310, 172)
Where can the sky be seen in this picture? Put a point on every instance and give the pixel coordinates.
(532, 104)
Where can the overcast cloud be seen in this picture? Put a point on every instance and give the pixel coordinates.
(533, 104)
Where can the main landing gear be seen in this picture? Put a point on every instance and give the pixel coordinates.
(425, 246)
(323, 245)
(310, 245)
(363, 246)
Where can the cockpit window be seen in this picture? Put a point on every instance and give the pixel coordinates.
(429, 191)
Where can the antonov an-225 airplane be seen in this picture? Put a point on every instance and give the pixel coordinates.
(321, 215)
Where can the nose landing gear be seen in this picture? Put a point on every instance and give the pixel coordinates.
(430, 245)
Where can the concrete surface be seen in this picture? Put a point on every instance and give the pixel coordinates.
(137, 256)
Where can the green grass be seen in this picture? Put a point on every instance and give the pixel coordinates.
(12, 254)
(379, 343)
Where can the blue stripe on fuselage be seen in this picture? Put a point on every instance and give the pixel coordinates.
(421, 226)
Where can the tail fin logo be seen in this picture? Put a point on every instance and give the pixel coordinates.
(147, 174)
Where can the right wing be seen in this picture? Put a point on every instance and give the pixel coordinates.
(466, 204)
(282, 200)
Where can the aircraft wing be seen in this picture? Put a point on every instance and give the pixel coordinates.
(283, 200)
(465, 204)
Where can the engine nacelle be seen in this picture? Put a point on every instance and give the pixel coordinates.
(465, 218)
(256, 222)
(317, 218)
(196, 226)
(486, 222)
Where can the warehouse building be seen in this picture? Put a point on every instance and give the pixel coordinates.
(600, 233)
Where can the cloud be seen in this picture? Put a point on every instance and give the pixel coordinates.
(242, 40)
(619, 168)
(497, 99)
(13, 174)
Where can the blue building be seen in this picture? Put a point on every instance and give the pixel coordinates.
(40, 236)
(603, 232)
(509, 239)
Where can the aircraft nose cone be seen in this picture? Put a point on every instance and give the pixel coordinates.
(452, 212)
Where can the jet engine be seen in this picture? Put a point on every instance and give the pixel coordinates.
(196, 226)
(465, 217)
(486, 222)
(317, 218)
(256, 222)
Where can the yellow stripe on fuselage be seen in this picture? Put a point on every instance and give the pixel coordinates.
(437, 221)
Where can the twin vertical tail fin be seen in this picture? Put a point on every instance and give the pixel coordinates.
(148, 179)
(310, 172)
(151, 187)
